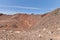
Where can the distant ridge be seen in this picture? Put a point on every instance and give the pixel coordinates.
(27, 21)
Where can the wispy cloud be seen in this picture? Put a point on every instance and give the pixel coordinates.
(13, 6)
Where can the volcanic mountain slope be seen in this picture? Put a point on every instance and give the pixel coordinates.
(50, 19)
(21, 21)
(30, 27)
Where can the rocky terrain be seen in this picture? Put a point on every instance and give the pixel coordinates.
(30, 27)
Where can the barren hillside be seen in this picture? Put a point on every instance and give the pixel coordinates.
(30, 27)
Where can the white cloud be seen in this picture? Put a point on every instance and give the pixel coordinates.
(31, 8)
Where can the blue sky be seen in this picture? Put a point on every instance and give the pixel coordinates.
(28, 6)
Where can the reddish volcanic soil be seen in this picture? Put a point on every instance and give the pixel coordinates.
(30, 27)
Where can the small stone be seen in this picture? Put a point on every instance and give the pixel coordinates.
(58, 28)
(1, 25)
(4, 30)
(17, 32)
(51, 39)
(49, 32)
(40, 35)
(10, 31)
(44, 29)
